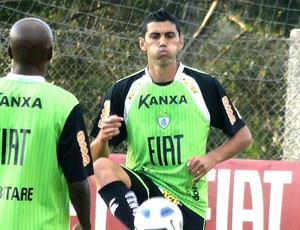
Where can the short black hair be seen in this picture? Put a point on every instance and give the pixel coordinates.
(159, 16)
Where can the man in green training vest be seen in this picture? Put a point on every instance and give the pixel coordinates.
(45, 154)
(164, 111)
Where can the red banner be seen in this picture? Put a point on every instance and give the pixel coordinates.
(243, 195)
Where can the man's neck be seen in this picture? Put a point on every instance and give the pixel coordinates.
(163, 74)
(29, 70)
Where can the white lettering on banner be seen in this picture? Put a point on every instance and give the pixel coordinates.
(222, 205)
(276, 179)
(101, 211)
(239, 214)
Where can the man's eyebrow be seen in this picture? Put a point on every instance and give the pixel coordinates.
(168, 32)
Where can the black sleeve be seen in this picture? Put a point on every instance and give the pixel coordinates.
(116, 98)
(223, 113)
(73, 151)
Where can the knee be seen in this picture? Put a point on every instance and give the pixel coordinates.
(104, 168)
(107, 171)
(102, 165)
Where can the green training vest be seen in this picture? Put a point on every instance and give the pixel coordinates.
(33, 190)
(166, 138)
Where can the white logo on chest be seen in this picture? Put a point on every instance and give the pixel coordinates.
(163, 121)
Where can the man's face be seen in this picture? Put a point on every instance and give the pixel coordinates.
(161, 42)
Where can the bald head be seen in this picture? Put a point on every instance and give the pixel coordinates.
(30, 43)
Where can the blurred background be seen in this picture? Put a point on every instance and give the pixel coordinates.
(251, 47)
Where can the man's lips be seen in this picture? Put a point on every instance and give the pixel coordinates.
(163, 51)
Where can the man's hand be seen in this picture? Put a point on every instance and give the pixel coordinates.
(79, 227)
(200, 166)
(110, 127)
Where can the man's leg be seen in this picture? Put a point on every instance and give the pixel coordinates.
(114, 185)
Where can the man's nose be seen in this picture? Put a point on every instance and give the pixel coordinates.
(162, 41)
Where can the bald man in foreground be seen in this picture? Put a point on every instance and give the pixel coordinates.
(46, 158)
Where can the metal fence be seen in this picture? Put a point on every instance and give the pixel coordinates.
(96, 43)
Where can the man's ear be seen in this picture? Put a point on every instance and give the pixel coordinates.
(142, 44)
(9, 52)
(181, 42)
(50, 53)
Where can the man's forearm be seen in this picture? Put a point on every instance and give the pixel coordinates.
(99, 148)
(233, 145)
(81, 200)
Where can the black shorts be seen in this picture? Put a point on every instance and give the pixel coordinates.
(144, 188)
